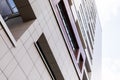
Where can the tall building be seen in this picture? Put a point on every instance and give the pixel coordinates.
(89, 29)
(49, 40)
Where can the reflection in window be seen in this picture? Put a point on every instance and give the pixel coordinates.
(8, 9)
(12, 6)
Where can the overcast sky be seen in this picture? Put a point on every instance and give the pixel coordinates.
(109, 13)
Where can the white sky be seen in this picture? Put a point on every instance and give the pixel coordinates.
(109, 13)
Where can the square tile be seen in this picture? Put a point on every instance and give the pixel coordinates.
(33, 53)
(3, 47)
(44, 74)
(6, 60)
(38, 28)
(2, 77)
(40, 65)
(18, 47)
(28, 43)
(6, 38)
(26, 64)
(36, 5)
(25, 36)
(35, 36)
(10, 68)
(17, 74)
(47, 33)
(19, 55)
(34, 75)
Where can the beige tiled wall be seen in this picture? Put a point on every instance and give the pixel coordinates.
(23, 62)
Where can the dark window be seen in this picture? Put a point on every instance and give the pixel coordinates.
(67, 26)
(49, 58)
(90, 40)
(70, 2)
(88, 48)
(84, 76)
(81, 62)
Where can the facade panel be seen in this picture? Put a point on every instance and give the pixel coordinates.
(65, 52)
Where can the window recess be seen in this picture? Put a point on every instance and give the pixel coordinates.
(80, 63)
(49, 58)
(18, 15)
(68, 27)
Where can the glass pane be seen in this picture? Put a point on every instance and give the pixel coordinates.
(4, 8)
(8, 9)
(13, 6)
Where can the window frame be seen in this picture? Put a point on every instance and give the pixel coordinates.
(29, 18)
(81, 51)
(68, 28)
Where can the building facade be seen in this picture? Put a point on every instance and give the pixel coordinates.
(89, 29)
(49, 40)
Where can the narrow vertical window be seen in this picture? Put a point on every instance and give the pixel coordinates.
(49, 58)
(67, 26)
(81, 62)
